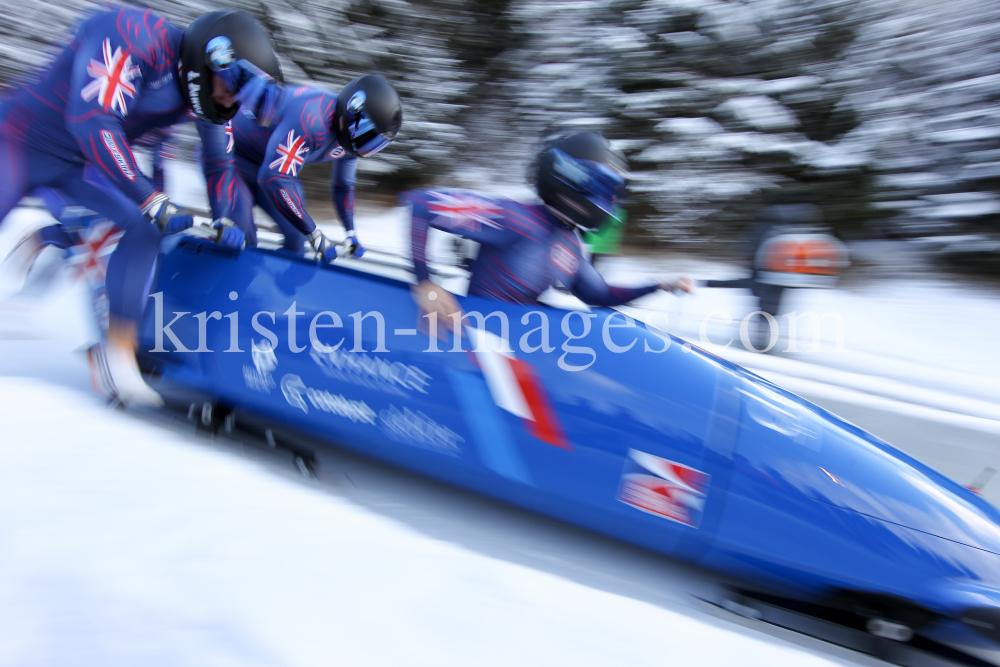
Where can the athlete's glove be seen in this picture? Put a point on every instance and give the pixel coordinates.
(354, 247)
(323, 246)
(169, 218)
(228, 235)
(679, 286)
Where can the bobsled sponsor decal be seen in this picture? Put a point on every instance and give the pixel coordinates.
(664, 488)
(300, 396)
(291, 155)
(109, 143)
(564, 259)
(337, 152)
(288, 200)
(516, 387)
(389, 377)
(464, 211)
(258, 377)
(112, 79)
(419, 430)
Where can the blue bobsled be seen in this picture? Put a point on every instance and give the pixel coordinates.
(618, 428)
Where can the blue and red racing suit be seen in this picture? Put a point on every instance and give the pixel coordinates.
(70, 131)
(160, 144)
(269, 160)
(525, 249)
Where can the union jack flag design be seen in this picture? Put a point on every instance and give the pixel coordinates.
(465, 211)
(112, 79)
(90, 257)
(230, 139)
(664, 488)
(291, 154)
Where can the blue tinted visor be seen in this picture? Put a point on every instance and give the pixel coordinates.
(602, 184)
(365, 139)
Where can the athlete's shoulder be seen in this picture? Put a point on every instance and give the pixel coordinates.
(463, 208)
(311, 111)
(453, 199)
(142, 33)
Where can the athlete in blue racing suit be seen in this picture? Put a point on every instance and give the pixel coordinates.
(117, 79)
(312, 125)
(527, 248)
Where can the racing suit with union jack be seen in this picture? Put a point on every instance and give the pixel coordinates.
(70, 131)
(525, 248)
(269, 160)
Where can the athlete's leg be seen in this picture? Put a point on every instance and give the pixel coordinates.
(127, 281)
(132, 262)
(13, 161)
(245, 198)
(242, 211)
(295, 241)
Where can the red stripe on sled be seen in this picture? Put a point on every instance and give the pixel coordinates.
(546, 426)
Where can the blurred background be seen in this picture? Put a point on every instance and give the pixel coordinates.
(129, 539)
(881, 112)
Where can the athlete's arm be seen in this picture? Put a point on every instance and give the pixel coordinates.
(589, 287)
(342, 178)
(105, 83)
(218, 166)
(278, 175)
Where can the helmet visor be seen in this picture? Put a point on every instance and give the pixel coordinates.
(600, 183)
(365, 137)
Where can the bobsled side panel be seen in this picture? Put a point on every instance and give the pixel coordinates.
(618, 445)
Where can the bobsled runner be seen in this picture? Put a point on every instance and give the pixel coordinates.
(591, 418)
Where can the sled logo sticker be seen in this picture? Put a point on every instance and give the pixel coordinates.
(112, 79)
(291, 155)
(337, 152)
(296, 392)
(259, 377)
(419, 430)
(664, 488)
(515, 387)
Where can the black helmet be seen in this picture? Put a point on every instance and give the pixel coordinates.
(249, 41)
(582, 177)
(368, 115)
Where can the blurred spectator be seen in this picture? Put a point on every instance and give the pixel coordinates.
(788, 247)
